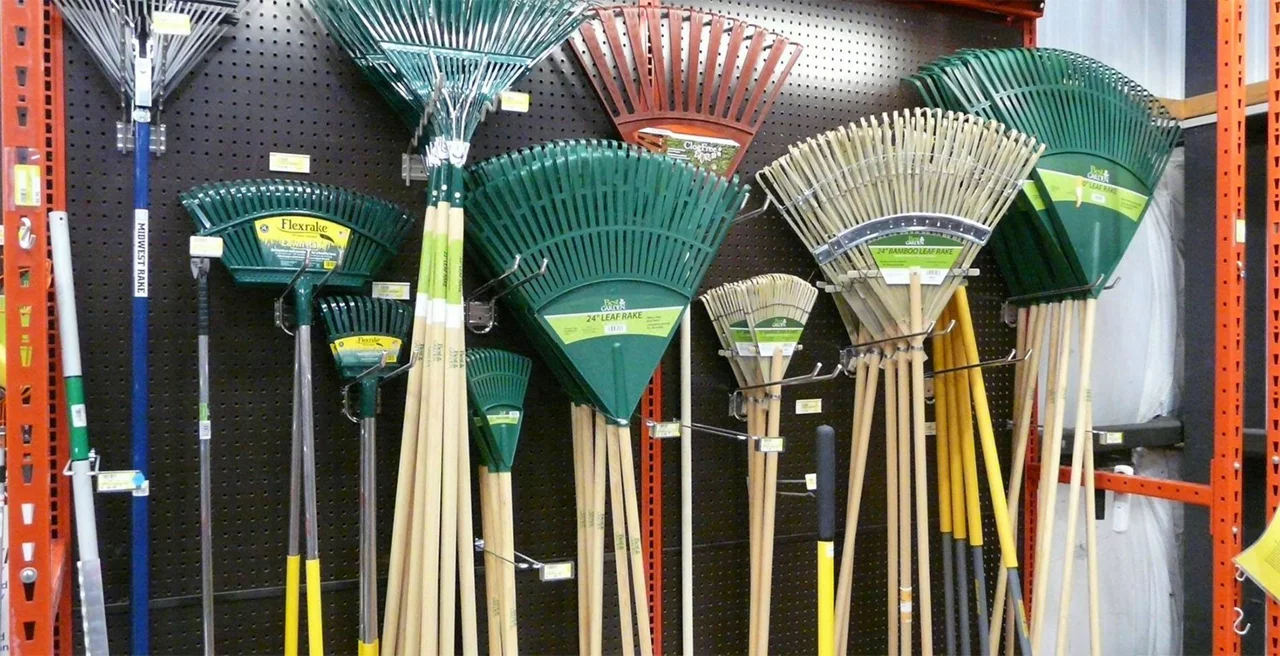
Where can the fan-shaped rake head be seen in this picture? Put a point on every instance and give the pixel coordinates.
(1108, 141)
(496, 385)
(270, 228)
(917, 190)
(179, 33)
(452, 56)
(629, 236)
(365, 332)
(691, 84)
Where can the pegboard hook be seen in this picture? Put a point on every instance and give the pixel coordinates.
(1012, 358)
(850, 354)
(482, 316)
(1017, 300)
(816, 377)
(747, 216)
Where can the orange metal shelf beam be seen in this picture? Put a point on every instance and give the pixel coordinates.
(1228, 379)
(31, 131)
(1273, 302)
(651, 503)
(1195, 494)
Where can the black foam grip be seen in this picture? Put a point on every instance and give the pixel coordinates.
(202, 304)
(826, 492)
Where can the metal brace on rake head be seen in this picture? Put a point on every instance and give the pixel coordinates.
(279, 307)
(376, 370)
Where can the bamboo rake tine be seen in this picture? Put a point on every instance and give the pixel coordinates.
(770, 509)
(921, 465)
(1091, 541)
(405, 470)
(844, 588)
(466, 540)
(906, 592)
(620, 546)
(487, 515)
(1078, 450)
(600, 453)
(891, 495)
(632, 506)
(454, 403)
(1053, 439)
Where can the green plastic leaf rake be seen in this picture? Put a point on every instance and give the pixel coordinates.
(269, 227)
(1108, 142)
(496, 384)
(363, 330)
(447, 59)
(629, 236)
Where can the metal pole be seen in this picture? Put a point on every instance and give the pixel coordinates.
(91, 595)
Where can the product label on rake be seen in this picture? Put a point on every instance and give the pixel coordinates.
(508, 418)
(285, 241)
(710, 153)
(897, 255)
(768, 336)
(1095, 188)
(365, 350)
(649, 322)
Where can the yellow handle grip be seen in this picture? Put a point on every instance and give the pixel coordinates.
(995, 483)
(368, 649)
(826, 599)
(292, 569)
(315, 618)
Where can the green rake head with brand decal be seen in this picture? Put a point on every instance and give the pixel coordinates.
(1106, 152)
(496, 384)
(366, 337)
(270, 228)
(628, 235)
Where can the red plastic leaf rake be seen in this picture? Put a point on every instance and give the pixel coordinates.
(692, 84)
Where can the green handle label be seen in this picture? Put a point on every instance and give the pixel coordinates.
(650, 322)
(1093, 189)
(768, 336)
(365, 350)
(934, 255)
(285, 241)
(509, 418)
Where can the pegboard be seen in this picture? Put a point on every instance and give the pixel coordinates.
(278, 83)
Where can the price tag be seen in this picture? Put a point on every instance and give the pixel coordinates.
(771, 445)
(206, 247)
(170, 22)
(808, 406)
(664, 430)
(930, 428)
(811, 482)
(26, 185)
(556, 571)
(395, 291)
(1111, 438)
(289, 163)
(515, 101)
(117, 481)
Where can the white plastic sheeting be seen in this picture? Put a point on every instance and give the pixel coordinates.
(1144, 39)
(1139, 572)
